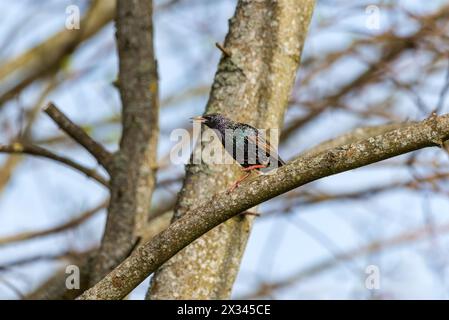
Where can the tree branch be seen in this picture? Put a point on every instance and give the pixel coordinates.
(223, 206)
(34, 150)
(95, 149)
(134, 165)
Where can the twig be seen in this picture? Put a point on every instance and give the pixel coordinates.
(102, 155)
(225, 51)
(34, 150)
(443, 92)
(12, 287)
(12, 162)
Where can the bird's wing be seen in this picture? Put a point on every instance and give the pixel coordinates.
(258, 140)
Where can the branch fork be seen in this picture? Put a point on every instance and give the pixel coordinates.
(103, 156)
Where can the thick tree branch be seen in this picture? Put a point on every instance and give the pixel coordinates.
(34, 150)
(223, 206)
(95, 149)
(134, 165)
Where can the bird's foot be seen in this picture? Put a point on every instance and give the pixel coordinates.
(253, 167)
(237, 183)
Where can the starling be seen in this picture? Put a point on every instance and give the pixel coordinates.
(244, 143)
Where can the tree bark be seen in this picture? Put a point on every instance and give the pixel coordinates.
(252, 85)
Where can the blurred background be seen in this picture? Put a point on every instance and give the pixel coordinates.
(364, 63)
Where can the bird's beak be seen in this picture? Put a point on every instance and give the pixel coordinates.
(199, 118)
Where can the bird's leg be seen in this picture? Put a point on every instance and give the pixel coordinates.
(236, 184)
(247, 171)
(253, 167)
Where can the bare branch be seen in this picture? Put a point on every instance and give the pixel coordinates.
(34, 150)
(101, 154)
(225, 52)
(12, 162)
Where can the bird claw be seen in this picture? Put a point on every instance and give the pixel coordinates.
(237, 183)
(256, 166)
(232, 188)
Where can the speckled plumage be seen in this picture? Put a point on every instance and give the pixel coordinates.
(243, 142)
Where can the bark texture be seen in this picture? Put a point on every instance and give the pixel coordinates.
(133, 166)
(252, 85)
(223, 206)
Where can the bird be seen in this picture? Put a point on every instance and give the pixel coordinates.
(244, 143)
